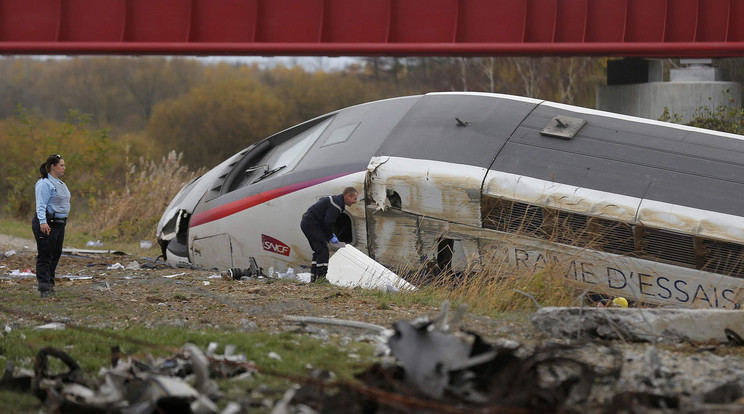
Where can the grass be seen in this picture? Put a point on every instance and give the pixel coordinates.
(16, 228)
(90, 348)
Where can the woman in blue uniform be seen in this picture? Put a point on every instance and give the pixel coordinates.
(48, 224)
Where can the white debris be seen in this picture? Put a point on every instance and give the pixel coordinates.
(352, 268)
(10, 253)
(232, 408)
(274, 355)
(92, 243)
(77, 392)
(289, 274)
(177, 274)
(75, 277)
(105, 286)
(55, 326)
(115, 266)
(132, 265)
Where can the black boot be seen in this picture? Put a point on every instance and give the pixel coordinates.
(313, 277)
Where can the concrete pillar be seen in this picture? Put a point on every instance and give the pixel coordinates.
(635, 87)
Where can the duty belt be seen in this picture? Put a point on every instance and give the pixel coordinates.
(56, 220)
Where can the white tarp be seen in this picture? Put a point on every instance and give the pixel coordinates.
(351, 268)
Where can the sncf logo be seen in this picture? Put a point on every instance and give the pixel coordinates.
(273, 245)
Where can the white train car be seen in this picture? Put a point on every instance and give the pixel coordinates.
(650, 210)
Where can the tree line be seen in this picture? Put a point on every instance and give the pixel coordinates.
(209, 111)
(105, 113)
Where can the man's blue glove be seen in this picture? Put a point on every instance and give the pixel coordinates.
(334, 239)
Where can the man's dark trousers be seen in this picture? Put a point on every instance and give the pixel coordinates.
(315, 235)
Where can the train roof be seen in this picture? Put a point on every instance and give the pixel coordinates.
(612, 153)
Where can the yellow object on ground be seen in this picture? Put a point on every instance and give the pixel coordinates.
(620, 301)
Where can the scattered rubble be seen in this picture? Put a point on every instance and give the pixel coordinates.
(593, 360)
(426, 366)
(640, 324)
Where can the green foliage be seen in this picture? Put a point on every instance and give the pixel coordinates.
(724, 117)
(16, 228)
(666, 116)
(307, 95)
(216, 120)
(15, 402)
(27, 141)
(118, 92)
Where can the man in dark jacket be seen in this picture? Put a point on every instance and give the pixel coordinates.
(317, 225)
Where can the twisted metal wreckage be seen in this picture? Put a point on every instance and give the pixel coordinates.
(628, 206)
(438, 369)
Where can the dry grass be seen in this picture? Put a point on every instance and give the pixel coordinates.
(496, 285)
(132, 212)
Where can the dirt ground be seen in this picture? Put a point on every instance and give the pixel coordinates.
(163, 295)
(699, 377)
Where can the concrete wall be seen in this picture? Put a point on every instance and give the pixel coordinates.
(648, 100)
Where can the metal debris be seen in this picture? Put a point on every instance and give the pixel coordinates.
(167, 385)
(303, 320)
(442, 369)
(253, 271)
(462, 366)
(436, 368)
(54, 326)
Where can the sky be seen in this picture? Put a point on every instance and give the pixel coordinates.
(310, 63)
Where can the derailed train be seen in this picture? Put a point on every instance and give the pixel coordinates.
(650, 210)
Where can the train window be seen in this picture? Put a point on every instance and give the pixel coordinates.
(722, 257)
(285, 156)
(612, 236)
(340, 134)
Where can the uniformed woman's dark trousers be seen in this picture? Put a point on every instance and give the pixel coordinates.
(49, 250)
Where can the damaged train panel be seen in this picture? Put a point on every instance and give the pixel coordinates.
(427, 188)
(453, 180)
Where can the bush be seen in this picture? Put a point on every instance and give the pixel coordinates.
(26, 143)
(132, 212)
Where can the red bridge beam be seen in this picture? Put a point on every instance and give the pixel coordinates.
(661, 28)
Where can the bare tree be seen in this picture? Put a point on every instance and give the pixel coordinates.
(528, 71)
(487, 68)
